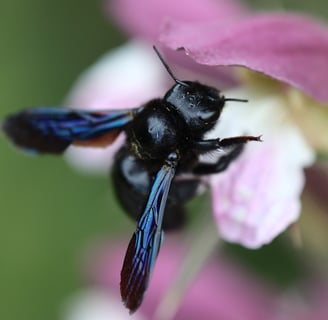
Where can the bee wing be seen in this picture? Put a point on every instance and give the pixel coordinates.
(146, 241)
(52, 130)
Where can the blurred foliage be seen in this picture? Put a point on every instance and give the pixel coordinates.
(49, 214)
(315, 7)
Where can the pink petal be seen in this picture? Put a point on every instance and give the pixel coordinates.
(258, 197)
(290, 48)
(96, 304)
(143, 18)
(220, 291)
(123, 78)
(311, 304)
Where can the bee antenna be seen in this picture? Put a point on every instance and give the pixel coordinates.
(169, 71)
(235, 99)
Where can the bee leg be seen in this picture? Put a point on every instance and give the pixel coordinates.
(223, 144)
(222, 163)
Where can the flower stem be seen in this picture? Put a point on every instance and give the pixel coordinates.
(202, 244)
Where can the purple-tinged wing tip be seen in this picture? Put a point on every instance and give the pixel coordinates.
(21, 131)
(134, 278)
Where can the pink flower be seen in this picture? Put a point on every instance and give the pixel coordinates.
(220, 291)
(145, 19)
(258, 197)
(310, 304)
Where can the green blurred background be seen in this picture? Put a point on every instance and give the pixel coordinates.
(48, 212)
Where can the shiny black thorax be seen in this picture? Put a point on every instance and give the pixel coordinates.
(172, 124)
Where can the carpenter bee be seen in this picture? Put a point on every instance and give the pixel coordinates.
(164, 140)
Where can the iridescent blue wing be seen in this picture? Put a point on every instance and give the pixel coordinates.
(146, 241)
(52, 130)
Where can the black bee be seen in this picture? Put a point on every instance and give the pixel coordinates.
(164, 140)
